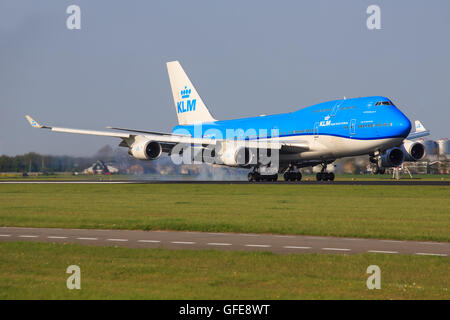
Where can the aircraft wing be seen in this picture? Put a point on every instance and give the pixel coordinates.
(168, 139)
(419, 131)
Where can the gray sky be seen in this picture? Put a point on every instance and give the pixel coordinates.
(244, 57)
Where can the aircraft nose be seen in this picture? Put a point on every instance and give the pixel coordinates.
(403, 125)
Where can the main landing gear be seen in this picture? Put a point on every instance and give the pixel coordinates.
(292, 174)
(255, 176)
(323, 175)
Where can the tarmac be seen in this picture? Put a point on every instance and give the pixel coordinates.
(225, 241)
(345, 182)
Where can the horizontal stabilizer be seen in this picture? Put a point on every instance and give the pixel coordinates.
(419, 131)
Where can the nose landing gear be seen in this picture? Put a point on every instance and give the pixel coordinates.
(376, 167)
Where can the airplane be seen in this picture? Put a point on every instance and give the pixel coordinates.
(311, 136)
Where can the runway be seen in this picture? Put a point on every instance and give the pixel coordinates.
(346, 182)
(224, 241)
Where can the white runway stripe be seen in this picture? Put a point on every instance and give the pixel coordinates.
(336, 249)
(183, 242)
(87, 238)
(5, 235)
(219, 244)
(258, 245)
(294, 247)
(56, 237)
(382, 251)
(119, 240)
(431, 254)
(27, 236)
(149, 241)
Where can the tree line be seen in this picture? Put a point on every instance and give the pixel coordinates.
(34, 162)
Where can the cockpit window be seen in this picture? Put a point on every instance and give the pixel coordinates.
(384, 103)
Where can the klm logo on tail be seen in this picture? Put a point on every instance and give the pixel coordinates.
(186, 105)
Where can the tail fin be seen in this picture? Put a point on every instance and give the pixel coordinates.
(188, 104)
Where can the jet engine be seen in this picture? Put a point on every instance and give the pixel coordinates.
(392, 158)
(413, 150)
(146, 150)
(235, 155)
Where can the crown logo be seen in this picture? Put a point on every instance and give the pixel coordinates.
(185, 93)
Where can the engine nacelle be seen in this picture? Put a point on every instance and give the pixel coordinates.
(392, 158)
(413, 150)
(234, 155)
(146, 150)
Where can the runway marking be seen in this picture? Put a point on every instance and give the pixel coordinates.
(219, 244)
(119, 240)
(27, 236)
(432, 243)
(87, 238)
(258, 245)
(5, 235)
(431, 254)
(56, 237)
(284, 236)
(294, 247)
(182, 242)
(150, 241)
(336, 249)
(382, 251)
(317, 238)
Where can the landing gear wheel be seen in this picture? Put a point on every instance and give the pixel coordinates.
(319, 176)
(376, 170)
(382, 171)
(331, 176)
(292, 176)
(251, 177)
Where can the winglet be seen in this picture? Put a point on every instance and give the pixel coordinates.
(33, 122)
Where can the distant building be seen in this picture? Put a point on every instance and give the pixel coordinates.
(444, 147)
(99, 167)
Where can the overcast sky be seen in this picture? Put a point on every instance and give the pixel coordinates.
(244, 57)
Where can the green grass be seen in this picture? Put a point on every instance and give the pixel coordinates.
(37, 271)
(393, 212)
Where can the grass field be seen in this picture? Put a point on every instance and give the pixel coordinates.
(37, 271)
(393, 212)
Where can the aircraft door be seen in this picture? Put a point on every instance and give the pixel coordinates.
(352, 127)
(316, 130)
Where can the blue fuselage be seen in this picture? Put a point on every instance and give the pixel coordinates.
(368, 118)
